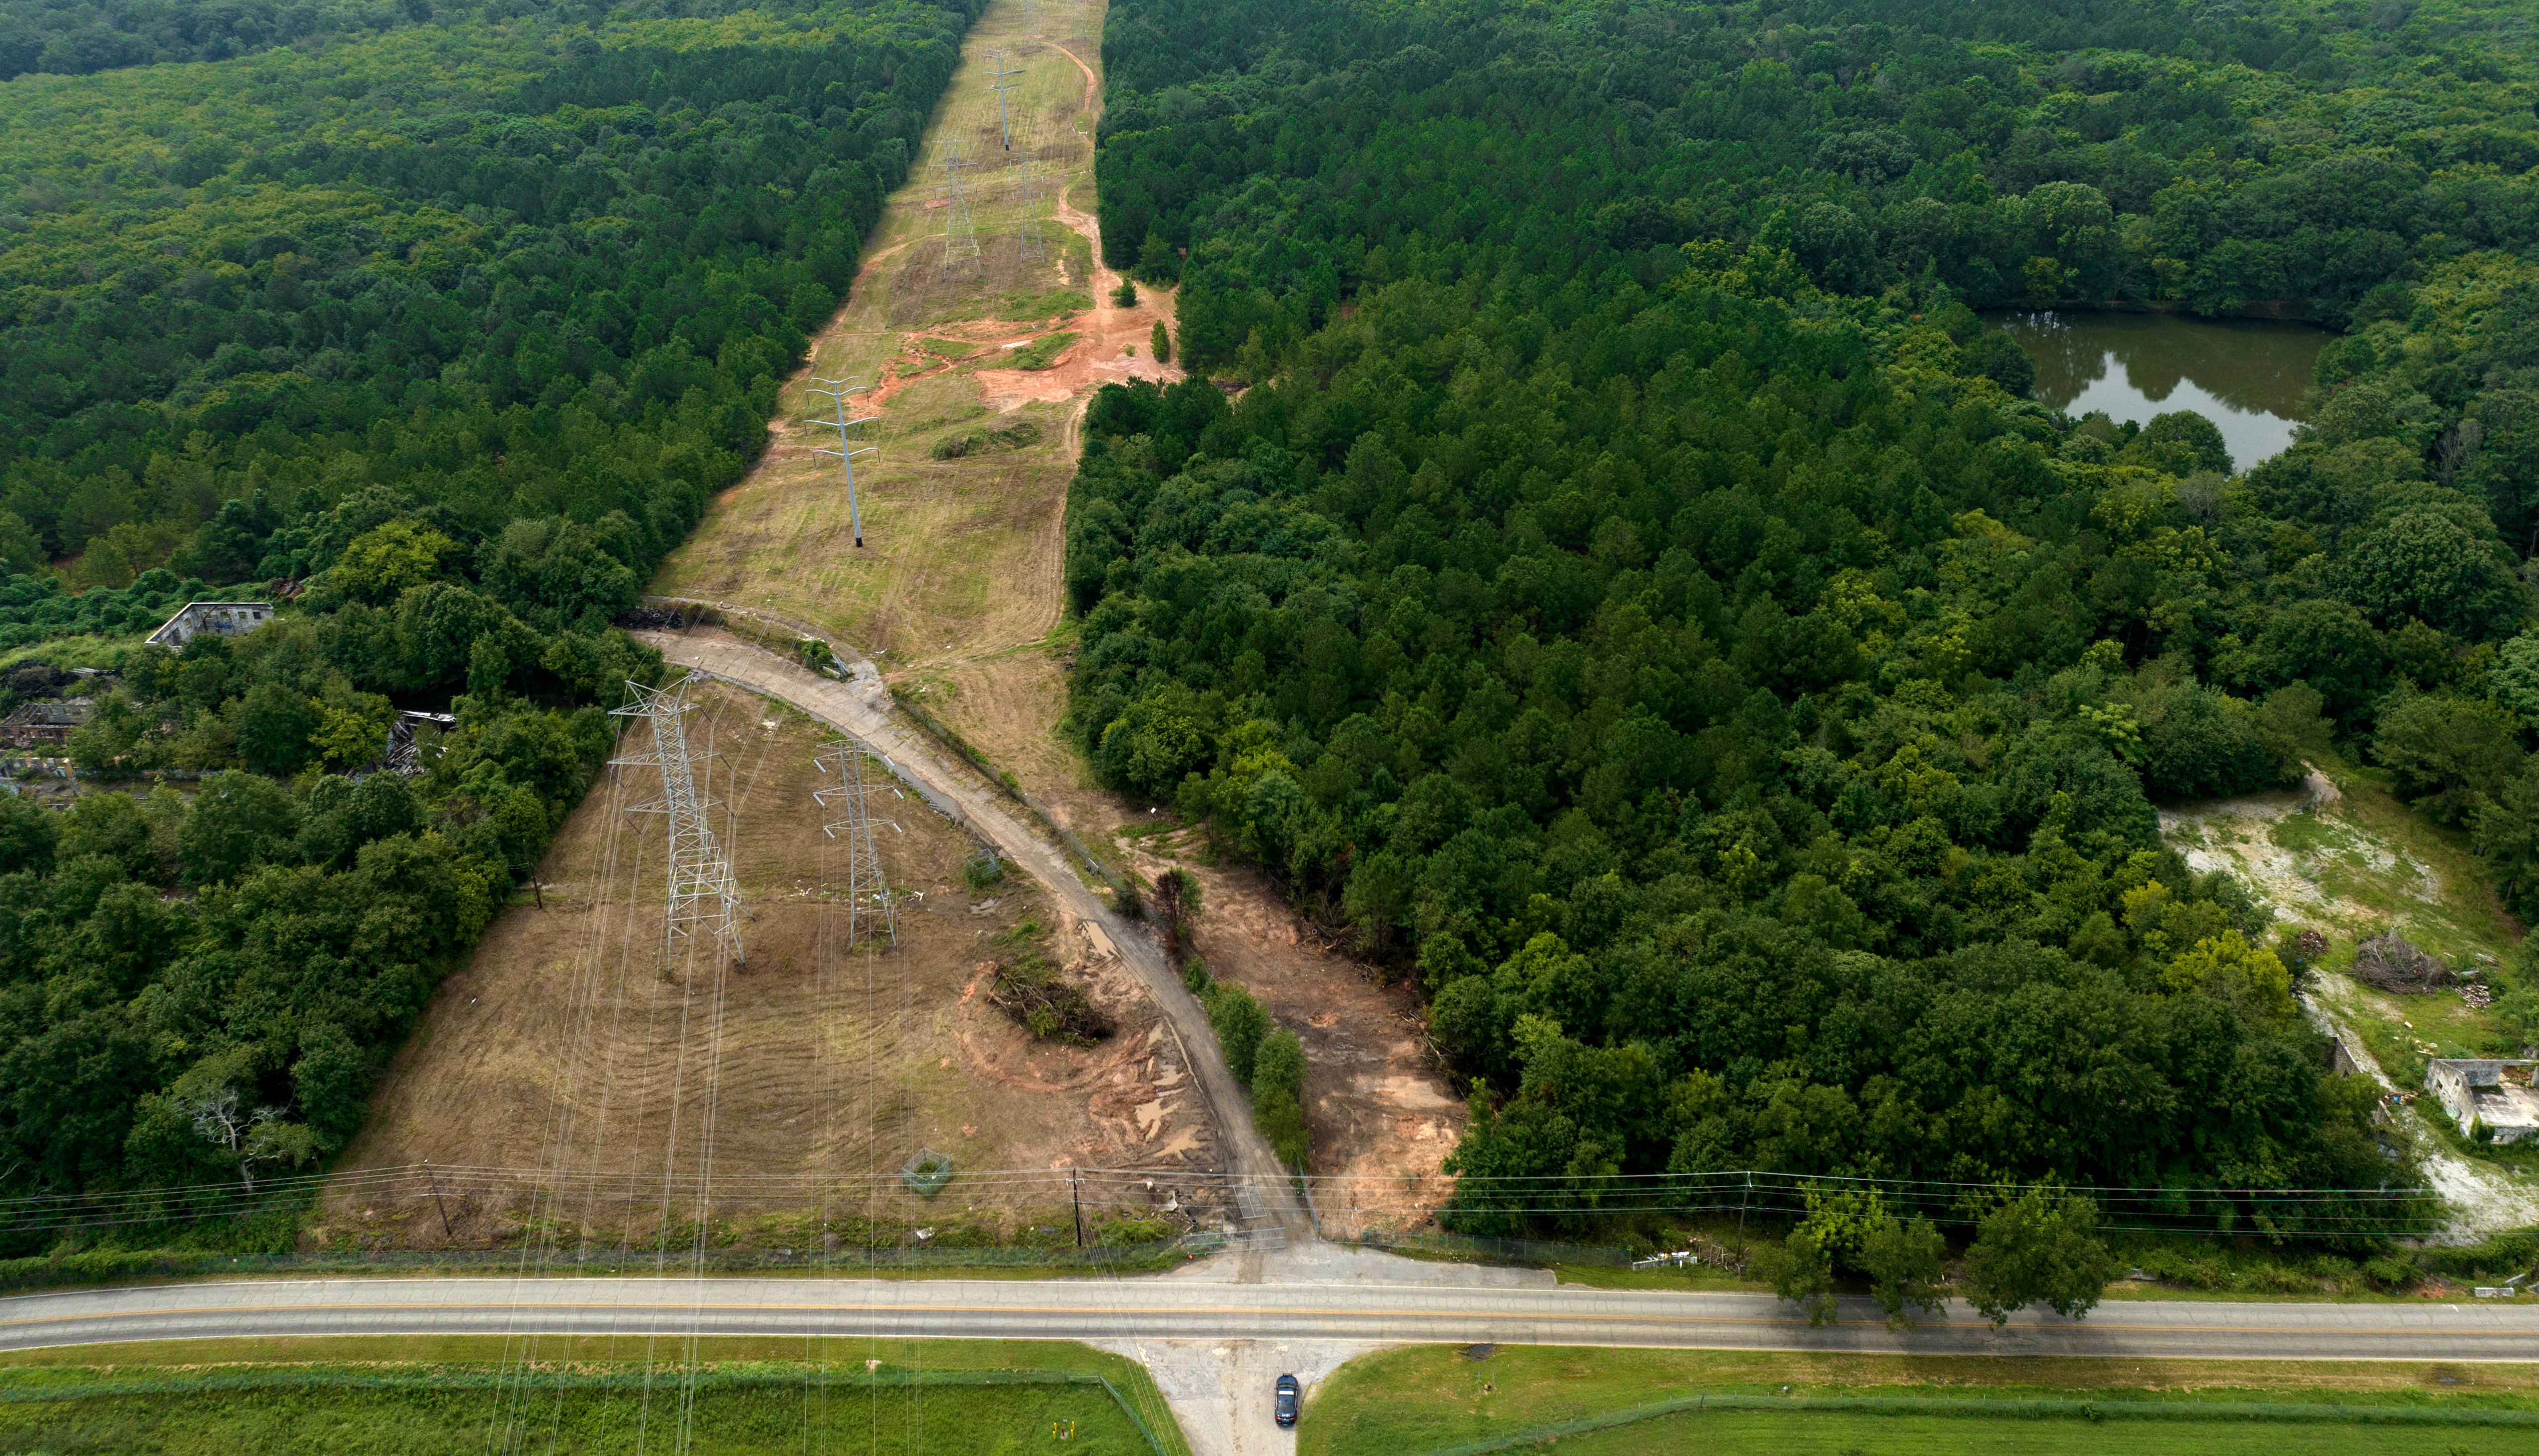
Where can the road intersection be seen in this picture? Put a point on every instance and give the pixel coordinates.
(1329, 1293)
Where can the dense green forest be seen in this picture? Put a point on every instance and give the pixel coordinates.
(76, 37)
(455, 325)
(1635, 590)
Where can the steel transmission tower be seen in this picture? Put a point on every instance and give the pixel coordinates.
(703, 901)
(960, 228)
(996, 82)
(837, 391)
(869, 903)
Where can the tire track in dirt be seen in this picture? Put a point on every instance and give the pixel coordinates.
(861, 711)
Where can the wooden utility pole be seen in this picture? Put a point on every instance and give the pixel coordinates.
(434, 1179)
(1076, 1193)
(1742, 1200)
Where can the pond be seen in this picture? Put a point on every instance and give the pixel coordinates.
(2244, 377)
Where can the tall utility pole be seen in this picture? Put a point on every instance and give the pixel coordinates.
(960, 228)
(868, 906)
(705, 902)
(837, 391)
(996, 82)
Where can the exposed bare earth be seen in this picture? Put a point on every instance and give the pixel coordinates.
(562, 1046)
(860, 707)
(2350, 866)
(1377, 1102)
(960, 556)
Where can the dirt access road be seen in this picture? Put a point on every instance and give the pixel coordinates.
(564, 1049)
(861, 709)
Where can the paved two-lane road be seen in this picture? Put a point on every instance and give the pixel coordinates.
(1215, 1308)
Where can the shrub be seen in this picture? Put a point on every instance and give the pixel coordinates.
(1281, 1120)
(983, 870)
(2392, 1272)
(1240, 1024)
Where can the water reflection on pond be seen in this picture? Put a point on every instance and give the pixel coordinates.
(2247, 377)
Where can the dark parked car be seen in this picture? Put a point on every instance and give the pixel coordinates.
(1288, 1390)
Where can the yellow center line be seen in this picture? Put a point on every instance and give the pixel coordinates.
(1152, 1311)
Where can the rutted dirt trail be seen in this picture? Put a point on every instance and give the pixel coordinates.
(860, 710)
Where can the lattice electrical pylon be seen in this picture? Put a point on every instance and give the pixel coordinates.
(705, 904)
(837, 391)
(960, 228)
(998, 83)
(869, 904)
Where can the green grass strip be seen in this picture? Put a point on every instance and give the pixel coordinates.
(2036, 1409)
(601, 1382)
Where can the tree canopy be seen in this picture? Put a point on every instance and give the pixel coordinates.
(445, 323)
(1602, 554)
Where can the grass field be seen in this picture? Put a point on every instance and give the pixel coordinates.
(1843, 1433)
(1429, 1398)
(561, 1045)
(423, 1397)
(960, 553)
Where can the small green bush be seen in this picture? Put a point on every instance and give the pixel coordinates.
(1112, 1233)
(2392, 1272)
(1279, 1065)
(1281, 1120)
(994, 442)
(983, 870)
(1240, 1024)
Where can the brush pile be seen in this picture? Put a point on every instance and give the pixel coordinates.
(2386, 963)
(1042, 1001)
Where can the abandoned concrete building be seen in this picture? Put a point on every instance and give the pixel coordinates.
(45, 725)
(2490, 1099)
(228, 618)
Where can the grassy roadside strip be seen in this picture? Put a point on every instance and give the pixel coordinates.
(1821, 1432)
(1432, 1400)
(2025, 1410)
(146, 1266)
(433, 1387)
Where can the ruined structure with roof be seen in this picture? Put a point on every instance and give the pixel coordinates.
(228, 618)
(2491, 1099)
(45, 725)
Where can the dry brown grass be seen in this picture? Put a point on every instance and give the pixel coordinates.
(562, 1046)
(960, 557)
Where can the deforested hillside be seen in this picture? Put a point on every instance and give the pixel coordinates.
(1604, 557)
